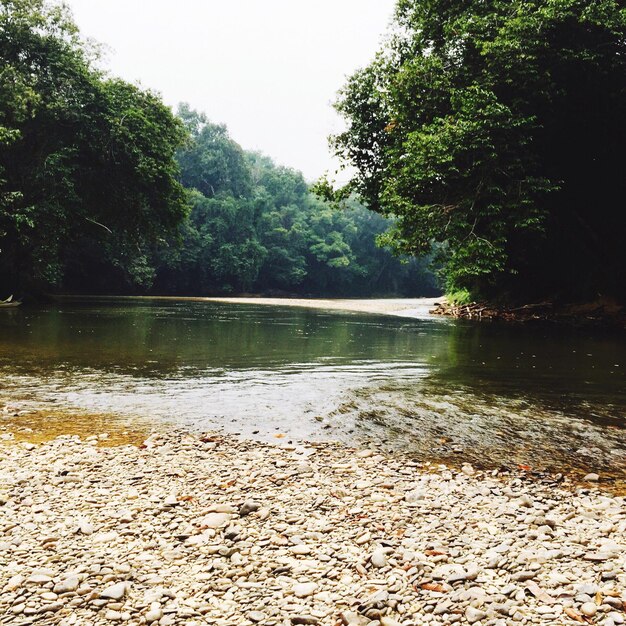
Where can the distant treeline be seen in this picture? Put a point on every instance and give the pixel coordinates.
(104, 189)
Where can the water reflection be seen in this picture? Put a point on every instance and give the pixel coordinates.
(545, 397)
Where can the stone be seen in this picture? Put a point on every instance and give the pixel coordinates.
(115, 592)
(378, 540)
(467, 469)
(154, 615)
(114, 616)
(39, 579)
(303, 590)
(215, 520)
(249, 506)
(257, 616)
(473, 615)
(415, 495)
(379, 558)
(597, 556)
(350, 618)
(15, 582)
(589, 609)
(223, 508)
(67, 585)
(304, 619)
(592, 478)
(49, 595)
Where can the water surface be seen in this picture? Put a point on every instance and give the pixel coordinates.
(495, 395)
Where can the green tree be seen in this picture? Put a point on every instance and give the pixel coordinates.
(212, 162)
(497, 127)
(87, 171)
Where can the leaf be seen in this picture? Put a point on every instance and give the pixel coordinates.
(280, 436)
(525, 468)
(433, 587)
(539, 593)
(573, 614)
(210, 438)
(185, 498)
(434, 553)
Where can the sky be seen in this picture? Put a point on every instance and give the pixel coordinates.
(268, 69)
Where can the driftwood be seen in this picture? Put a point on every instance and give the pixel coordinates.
(589, 314)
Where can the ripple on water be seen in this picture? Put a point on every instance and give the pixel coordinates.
(441, 389)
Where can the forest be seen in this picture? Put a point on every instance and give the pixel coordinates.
(484, 144)
(497, 128)
(103, 189)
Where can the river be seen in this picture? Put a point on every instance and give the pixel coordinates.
(445, 390)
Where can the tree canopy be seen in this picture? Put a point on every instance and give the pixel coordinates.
(86, 161)
(256, 226)
(103, 189)
(496, 128)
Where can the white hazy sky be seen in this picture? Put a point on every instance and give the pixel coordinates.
(268, 69)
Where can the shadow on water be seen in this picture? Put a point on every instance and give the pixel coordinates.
(500, 395)
(485, 393)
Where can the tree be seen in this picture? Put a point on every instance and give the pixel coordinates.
(87, 171)
(212, 162)
(497, 127)
(256, 226)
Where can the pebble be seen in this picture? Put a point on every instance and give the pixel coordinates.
(249, 506)
(303, 590)
(67, 585)
(304, 619)
(257, 616)
(154, 615)
(114, 616)
(215, 520)
(589, 609)
(234, 532)
(115, 592)
(474, 615)
(14, 582)
(379, 558)
(39, 579)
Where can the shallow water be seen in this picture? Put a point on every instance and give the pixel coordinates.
(493, 395)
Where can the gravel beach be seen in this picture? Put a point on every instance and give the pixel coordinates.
(214, 530)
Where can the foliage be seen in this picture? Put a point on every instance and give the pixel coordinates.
(86, 162)
(459, 297)
(103, 189)
(254, 226)
(497, 127)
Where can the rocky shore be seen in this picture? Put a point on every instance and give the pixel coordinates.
(214, 530)
(602, 313)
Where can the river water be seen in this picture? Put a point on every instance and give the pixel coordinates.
(490, 394)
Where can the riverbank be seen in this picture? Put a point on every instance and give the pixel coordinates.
(603, 313)
(402, 307)
(214, 530)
